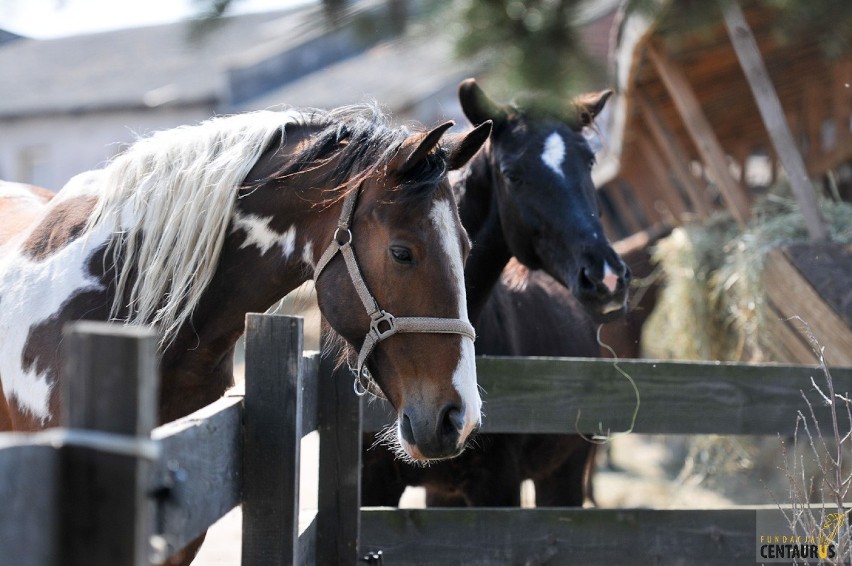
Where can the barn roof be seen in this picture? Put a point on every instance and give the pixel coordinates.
(169, 64)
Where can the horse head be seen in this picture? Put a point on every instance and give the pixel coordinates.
(398, 295)
(541, 171)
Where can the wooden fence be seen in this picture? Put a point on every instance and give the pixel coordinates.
(108, 489)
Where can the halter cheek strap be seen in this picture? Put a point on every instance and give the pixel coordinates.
(383, 325)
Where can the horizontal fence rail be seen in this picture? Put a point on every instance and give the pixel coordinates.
(560, 536)
(566, 395)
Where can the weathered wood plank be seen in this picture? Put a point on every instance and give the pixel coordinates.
(198, 477)
(793, 295)
(701, 132)
(29, 490)
(339, 497)
(675, 155)
(545, 395)
(109, 384)
(668, 192)
(310, 369)
(751, 61)
(560, 536)
(788, 344)
(308, 544)
(273, 432)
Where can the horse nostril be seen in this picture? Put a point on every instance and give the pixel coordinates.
(451, 422)
(406, 430)
(586, 281)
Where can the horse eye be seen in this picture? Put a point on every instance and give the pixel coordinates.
(402, 255)
(592, 162)
(510, 176)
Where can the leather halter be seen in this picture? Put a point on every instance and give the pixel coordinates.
(383, 324)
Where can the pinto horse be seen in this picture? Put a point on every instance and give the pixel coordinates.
(528, 194)
(192, 228)
(20, 205)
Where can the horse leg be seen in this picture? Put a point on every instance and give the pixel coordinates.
(569, 484)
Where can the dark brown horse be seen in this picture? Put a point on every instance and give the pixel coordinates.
(227, 217)
(529, 194)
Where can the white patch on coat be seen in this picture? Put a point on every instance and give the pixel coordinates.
(259, 234)
(308, 255)
(553, 154)
(33, 291)
(464, 376)
(21, 192)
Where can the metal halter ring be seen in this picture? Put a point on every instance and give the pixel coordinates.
(358, 386)
(337, 234)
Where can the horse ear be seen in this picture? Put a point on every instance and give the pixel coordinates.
(476, 105)
(417, 147)
(462, 147)
(589, 105)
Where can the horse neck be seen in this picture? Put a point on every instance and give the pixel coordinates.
(481, 218)
(260, 263)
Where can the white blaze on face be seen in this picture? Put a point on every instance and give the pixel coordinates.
(464, 377)
(554, 153)
(610, 279)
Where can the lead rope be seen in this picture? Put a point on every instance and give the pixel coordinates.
(383, 325)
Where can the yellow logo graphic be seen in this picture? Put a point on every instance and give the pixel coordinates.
(828, 532)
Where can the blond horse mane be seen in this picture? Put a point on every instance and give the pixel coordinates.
(171, 197)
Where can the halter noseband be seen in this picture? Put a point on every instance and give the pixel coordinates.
(383, 324)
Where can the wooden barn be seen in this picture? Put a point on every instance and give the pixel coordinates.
(712, 110)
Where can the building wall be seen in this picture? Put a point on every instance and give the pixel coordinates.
(48, 150)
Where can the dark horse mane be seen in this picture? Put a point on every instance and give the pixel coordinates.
(357, 138)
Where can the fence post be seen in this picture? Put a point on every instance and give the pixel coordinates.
(273, 433)
(110, 384)
(339, 498)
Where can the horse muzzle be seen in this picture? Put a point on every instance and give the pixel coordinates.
(434, 437)
(603, 290)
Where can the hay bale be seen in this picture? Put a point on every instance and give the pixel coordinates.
(714, 306)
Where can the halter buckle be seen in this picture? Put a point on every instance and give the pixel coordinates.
(382, 318)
